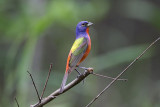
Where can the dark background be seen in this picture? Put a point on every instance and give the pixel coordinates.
(35, 33)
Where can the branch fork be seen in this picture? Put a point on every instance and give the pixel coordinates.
(56, 93)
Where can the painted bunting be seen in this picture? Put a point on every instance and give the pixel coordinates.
(79, 51)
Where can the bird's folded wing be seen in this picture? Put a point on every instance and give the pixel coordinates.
(77, 51)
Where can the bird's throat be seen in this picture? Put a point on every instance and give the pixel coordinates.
(87, 30)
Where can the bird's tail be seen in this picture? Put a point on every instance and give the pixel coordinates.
(64, 82)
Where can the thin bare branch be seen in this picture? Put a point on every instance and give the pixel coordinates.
(16, 102)
(34, 86)
(122, 72)
(66, 88)
(50, 68)
(104, 76)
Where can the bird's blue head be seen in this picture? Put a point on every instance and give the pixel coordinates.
(82, 27)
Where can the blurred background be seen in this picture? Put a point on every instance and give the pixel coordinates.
(35, 33)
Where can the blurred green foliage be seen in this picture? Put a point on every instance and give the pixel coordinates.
(35, 33)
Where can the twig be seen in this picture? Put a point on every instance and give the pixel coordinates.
(16, 101)
(122, 72)
(104, 76)
(46, 81)
(34, 86)
(66, 88)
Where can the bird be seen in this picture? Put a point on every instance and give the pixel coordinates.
(79, 50)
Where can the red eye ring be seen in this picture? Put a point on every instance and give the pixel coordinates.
(84, 24)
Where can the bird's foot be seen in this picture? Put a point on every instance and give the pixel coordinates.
(79, 74)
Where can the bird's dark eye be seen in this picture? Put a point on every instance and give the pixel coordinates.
(83, 24)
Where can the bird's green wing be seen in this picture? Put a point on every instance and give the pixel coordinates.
(77, 51)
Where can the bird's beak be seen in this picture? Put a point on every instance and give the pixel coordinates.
(89, 24)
